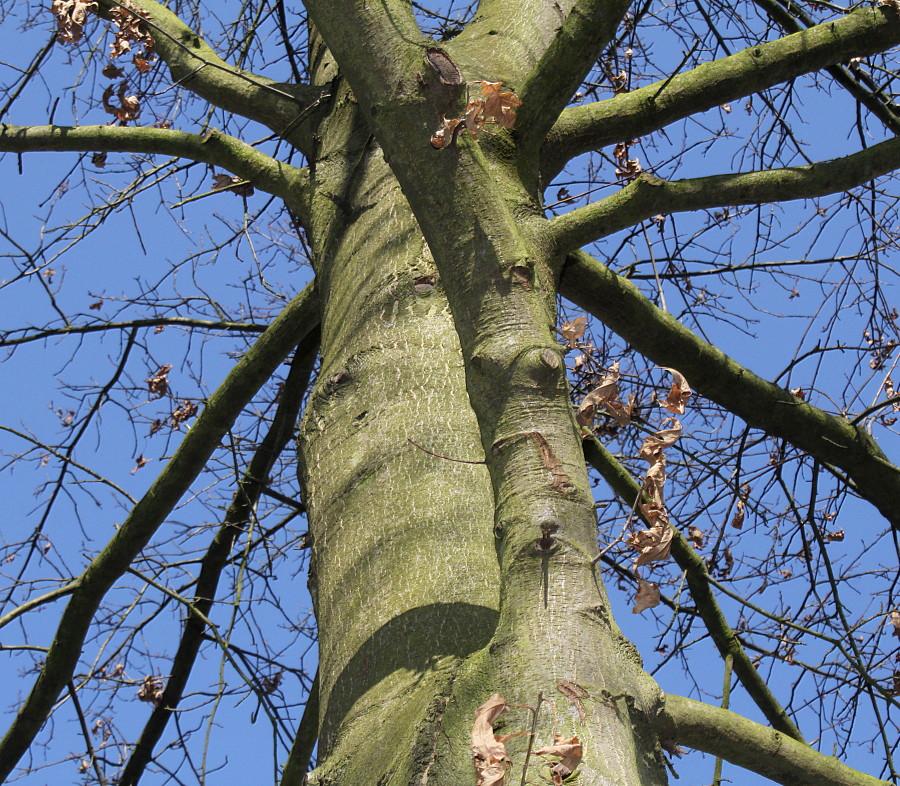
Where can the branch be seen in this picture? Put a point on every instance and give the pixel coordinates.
(723, 635)
(217, 555)
(649, 195)
(284, 108)
(650, 108)
(377, 44)
(752, 746)
(214, 147)
(183, 322)
(574, 50)
(665, 341)
(305, 740)
(296, 321)
(869, 94)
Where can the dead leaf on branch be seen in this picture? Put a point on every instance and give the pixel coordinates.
(573, 330)
(184, 412)
(894, 621)
(662, 439)
(129, 106)
(488, 751)
(494, 106)
(654, 544)
(738, 520)
(158, 383)
(605, 397)
(141, 461)
(151, 689)
(679, 393)
(233, 183)
(131, 27)
(70, 18)
(647, 596)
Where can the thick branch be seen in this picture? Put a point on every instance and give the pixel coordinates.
(264, 172)
(689, 561)
(752, 746)
(285, 108)
(649, 195)
(248, 376)
(868, 94)
(631, 115)
(661, 338)
(577, 44)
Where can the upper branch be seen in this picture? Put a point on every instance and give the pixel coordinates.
(586, 29)
(214, 147)
(661, 338)
(648, 195)
(755, 747)
(196, 67)
(631, 115)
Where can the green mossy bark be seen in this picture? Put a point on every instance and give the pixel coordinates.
(406, 544)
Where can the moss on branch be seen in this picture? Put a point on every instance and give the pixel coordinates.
(215, 148)
(752, 746)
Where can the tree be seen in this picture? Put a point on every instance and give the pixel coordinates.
(455, 566)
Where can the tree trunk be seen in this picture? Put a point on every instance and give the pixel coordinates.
(438, 582)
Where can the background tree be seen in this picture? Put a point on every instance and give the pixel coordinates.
(442, 169)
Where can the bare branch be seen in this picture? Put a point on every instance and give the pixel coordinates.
(630, 115)
(661, 338)
(750, 745)
(248, 375)
(648, 195)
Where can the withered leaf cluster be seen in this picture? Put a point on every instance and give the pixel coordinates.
(488, 750)
(158, 383)
(628, 168)
(131, 28)
(151, 689)
(70, 18)
(128, 108)
(493, 106)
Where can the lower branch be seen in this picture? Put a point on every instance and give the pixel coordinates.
(665, 341)
(225, 405)
(752, 746)
(689, 561)
(304, 741)
(217, 555)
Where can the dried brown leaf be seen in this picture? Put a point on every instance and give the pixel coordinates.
(499, 106)
(233, 183)
(604, 397)
(70, 18)
(130, 28)
(129, 107)
(141, 461)
(654, 544)
(696, 537)
(647, 596)
(679, 393)
(573, 330)
(662, 439)
(444, 134)
(569, 752)
(489, 752)
(158, 383)
(894, 620)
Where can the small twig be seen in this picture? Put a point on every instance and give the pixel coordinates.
(534, 720)
(438, 455)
